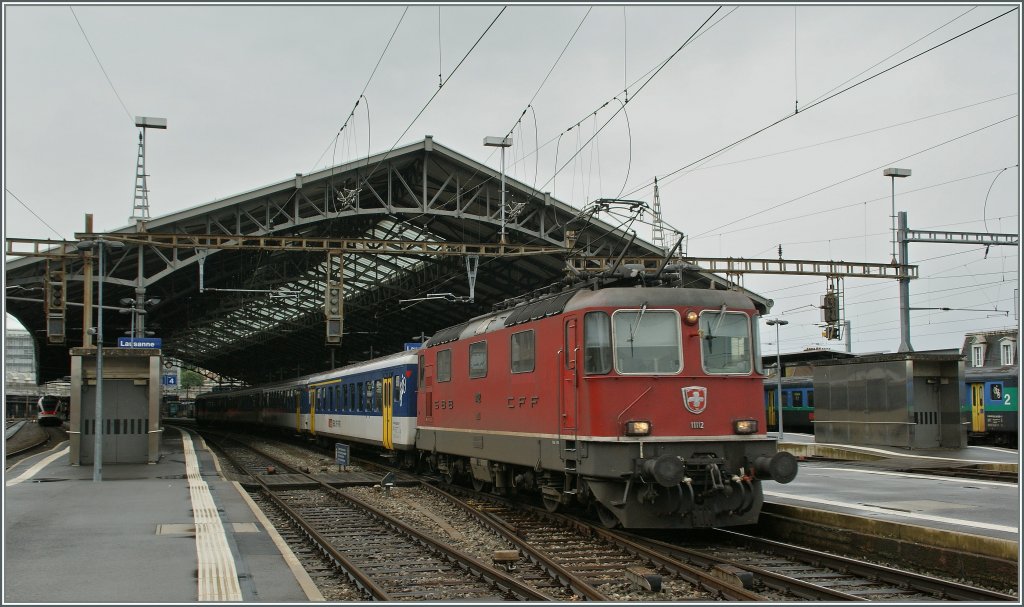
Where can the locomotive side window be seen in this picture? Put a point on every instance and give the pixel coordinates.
(478, 359)
(647, 341)
(524, 355)
(725, 342)
(597, 343)
(444, 365)
(419, 380)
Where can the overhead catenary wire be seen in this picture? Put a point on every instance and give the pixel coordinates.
(433, 96)
(858, 175)
(821, 101)
(102, 69)
(638, 91)
(29, 209)
(363, 92)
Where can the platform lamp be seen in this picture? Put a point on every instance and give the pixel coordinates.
(102, 246)
(500, 142)
(777, 322)
(893, 173)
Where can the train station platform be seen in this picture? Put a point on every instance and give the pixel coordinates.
(177, 532)
(871, 491)
(170, 532)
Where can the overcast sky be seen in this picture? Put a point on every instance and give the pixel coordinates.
(254, 94)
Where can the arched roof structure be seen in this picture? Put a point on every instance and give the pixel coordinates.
(396, 228)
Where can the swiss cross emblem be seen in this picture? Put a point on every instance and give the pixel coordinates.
(695, 398)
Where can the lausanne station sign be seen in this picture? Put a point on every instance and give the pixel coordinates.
(139, 342)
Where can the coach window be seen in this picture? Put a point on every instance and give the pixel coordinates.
(647, 341)
(478, 359)
(597, 343)
(359, 395)
(444, 365)
(371, 404)
(396, 392)
(378, 395)
(798, 398)
(524, 357)
(725, 342)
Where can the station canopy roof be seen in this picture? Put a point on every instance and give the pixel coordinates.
(236, 287)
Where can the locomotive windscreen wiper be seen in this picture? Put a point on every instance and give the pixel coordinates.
(712, 330)
(633, 328)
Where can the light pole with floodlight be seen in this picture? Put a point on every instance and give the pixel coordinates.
(500, 142)
(778, 369)
(893, 173)
(102, 246)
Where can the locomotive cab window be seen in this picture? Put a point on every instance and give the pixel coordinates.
(524, 354)
(725, 342)
(647, 341)
(444, 365)
(478, 359)
(597, 343)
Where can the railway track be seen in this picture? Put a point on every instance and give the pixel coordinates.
(386, 559)
(568, 558)
(767, 570)
(811, 574)
(21, 443)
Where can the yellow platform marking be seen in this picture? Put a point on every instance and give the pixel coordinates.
(218, 577)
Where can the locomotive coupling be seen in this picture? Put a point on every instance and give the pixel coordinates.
(667, 470)
(780, 467)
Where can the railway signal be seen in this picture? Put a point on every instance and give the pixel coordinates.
(56, 303)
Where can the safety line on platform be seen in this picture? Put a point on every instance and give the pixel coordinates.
(37, 467)
(218, 578)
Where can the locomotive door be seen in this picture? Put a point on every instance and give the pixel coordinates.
(386, 414)
(977, 407)
(569, 401)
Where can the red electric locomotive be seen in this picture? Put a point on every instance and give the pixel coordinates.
(644, 404)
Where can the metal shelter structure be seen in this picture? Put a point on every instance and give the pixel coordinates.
(241, 286)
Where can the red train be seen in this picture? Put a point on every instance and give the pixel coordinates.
(644, 404)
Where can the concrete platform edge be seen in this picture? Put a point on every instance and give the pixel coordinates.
(937, 538)
(305, 582)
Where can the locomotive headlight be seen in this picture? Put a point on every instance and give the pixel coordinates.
(690, 318)
(745, 426)
(638, 428)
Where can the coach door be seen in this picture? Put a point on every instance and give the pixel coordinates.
(387, 413)
(311, 423)
(569, 402)
(977, 407)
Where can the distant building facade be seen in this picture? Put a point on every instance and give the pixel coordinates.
(20, 389)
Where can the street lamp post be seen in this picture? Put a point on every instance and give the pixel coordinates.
(778, 370)
(898, 231)
(893, 173)
(102, 246)
(500, 142)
